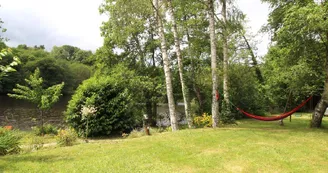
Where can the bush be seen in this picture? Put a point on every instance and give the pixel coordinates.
(9, 141)
(203, 121)
(115, 107)
(47, 129)
(66, 137)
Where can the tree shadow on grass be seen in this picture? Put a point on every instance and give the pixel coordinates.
(297, 125)
(44, 158)
(9, 162)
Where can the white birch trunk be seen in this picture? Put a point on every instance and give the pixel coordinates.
(167, 72)
(215, 103)
(225, 64)
(185, 91)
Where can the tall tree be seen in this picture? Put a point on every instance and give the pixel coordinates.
(301, 42)
(254, 60)
(131, 29)
(185, 91)
(215, 103)
(226, 104)
(166, 62)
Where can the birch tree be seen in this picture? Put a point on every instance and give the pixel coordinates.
(215, 103)
(166, 65)
(185, 91)
(226, 108)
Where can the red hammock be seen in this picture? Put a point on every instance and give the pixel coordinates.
(279, 117)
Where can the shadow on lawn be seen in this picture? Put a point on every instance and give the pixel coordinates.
(25, 159)
(296, 125)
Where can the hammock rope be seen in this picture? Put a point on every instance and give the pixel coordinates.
(279, 117)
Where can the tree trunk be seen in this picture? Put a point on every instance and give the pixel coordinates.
(199, 98)
(321, 107)
(215, 103)
(193, 76)
(167, 72)
(185, 91)
(41, 117)
(149, 110)
(154, 113)
(318, 113)
(254, 61)
(227, 113)
(323, 103)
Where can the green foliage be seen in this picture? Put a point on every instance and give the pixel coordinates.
(54, 71)
(113, 100)
(203, 121)
(46, 129)
(66, 137)
(71, 53)
(35, 93)
(6, 68)
(296, 61)
(245, 90)
(27, 54)
(43, 98)
(9, 141)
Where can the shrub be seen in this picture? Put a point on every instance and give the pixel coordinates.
(203, 121)
(115, 109)
(66, 137)
(46, 129)
(9, 141)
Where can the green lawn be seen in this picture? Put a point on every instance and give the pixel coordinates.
(251, 146)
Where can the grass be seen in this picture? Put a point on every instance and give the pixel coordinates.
(251, 146)
(27, 136)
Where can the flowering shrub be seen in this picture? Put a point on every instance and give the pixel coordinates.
(66, 137)
(111, 105)
(203, 121)
(88, 111)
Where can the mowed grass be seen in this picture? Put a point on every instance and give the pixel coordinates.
(251, 146)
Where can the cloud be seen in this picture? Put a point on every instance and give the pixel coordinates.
(257, 16)
(77, 22)
(53, 22)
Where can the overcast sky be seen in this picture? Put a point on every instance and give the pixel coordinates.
(77, 22)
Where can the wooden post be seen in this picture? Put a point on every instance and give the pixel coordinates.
(146, 124)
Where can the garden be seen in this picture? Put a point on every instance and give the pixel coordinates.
(250, 146)
(177, 86)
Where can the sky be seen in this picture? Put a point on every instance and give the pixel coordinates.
(77, 22)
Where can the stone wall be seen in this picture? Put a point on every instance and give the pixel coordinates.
(23, 115)
(25, 118)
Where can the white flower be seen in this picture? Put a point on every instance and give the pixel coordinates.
(88, 111)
